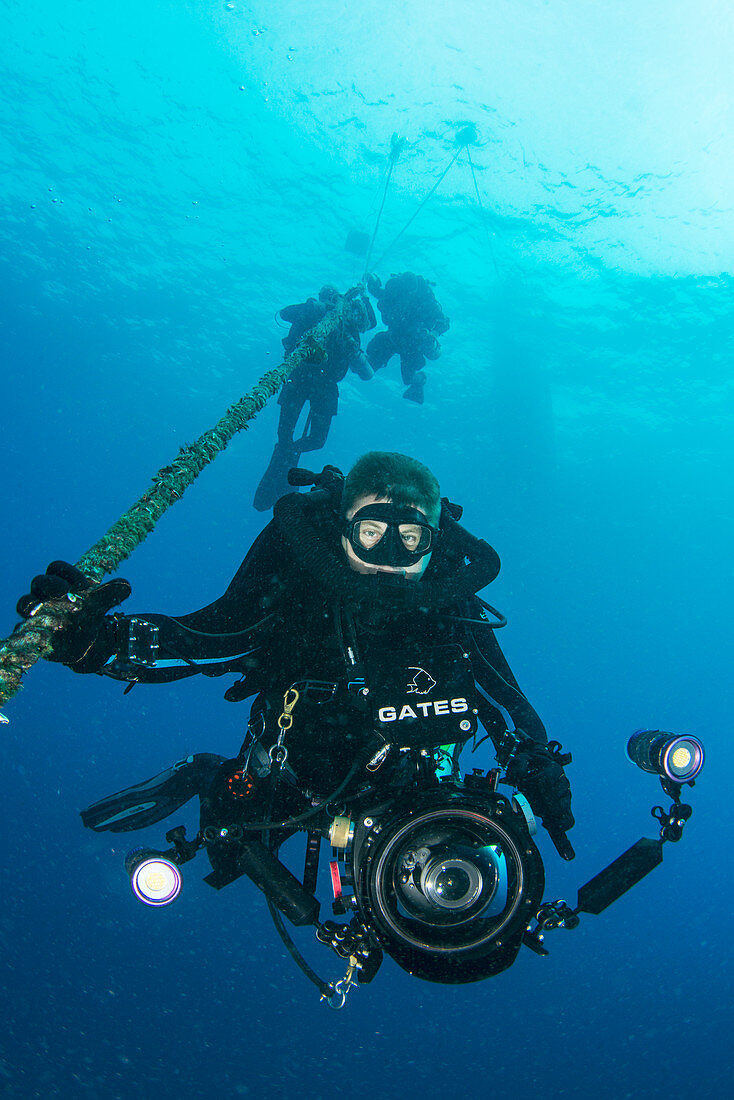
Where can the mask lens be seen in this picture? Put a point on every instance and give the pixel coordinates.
(368, 532)
(415, 537)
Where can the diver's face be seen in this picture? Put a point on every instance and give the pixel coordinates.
(370, 535)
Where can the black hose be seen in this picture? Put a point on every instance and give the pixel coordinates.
(327, 991)
(259, 826)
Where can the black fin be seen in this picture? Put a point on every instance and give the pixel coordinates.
(150, 801)
(274, 482)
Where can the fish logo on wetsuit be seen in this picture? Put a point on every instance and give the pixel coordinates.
(421, 683)
(405, 693)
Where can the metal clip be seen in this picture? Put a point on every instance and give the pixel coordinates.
(141, 644)
(290, 699)
(278, 752)
(338, 998)
(379, 758)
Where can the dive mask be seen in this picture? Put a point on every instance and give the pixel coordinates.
(390, 534)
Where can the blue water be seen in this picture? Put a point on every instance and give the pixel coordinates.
(173, 173)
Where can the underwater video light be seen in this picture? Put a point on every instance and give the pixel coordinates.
(155, 880)
(679, 758)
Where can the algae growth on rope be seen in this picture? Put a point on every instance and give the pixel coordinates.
(33, 638)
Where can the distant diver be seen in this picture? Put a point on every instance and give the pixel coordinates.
(315, 381)
(414, 321)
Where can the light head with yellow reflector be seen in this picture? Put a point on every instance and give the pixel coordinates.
(669, 755)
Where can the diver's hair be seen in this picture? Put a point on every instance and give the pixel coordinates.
(401, 479)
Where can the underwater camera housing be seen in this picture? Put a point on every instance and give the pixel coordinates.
(448, 883)
(440, 873)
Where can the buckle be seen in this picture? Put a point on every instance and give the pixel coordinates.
(140, 645)
(316, 691)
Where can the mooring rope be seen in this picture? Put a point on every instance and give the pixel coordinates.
(397, 144)
(415, 214)
(33, 638)
(483, 212)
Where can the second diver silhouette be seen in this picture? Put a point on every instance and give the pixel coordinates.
(314, 381)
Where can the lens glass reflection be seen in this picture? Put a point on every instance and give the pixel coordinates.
(452, 885)
(448, 881)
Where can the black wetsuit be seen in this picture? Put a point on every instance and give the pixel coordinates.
(315, 382)
(414, 319)
(380, 665)
(283, 622)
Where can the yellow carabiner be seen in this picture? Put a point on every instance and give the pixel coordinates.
(290, 699)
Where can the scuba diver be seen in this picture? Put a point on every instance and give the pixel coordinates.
(314, 381)
(354, 625)
(343, 586)
(355, 628)
(414, 320)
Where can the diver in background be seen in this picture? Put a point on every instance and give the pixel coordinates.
(414, 320)
(313, 381)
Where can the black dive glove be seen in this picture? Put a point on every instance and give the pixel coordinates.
(536, 769)
(374, 285)
(83, 644)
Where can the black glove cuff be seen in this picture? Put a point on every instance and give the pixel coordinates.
(101, 647)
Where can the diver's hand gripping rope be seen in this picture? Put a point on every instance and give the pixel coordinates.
(33, 638)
